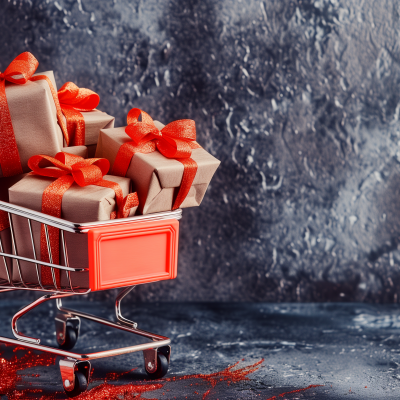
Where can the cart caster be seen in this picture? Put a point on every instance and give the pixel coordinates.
(75, 376)
(67, 331)
(156, 362)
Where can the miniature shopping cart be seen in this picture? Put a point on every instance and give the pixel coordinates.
(121, 254)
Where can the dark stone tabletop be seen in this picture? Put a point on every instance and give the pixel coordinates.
(308, 351)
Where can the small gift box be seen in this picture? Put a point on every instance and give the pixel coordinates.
(168, 168)
(82, 118)
(5, 235)
(29, 111)
(74, 189)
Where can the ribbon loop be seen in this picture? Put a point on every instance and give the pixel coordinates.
(73, 101)
(23, 66)
(79, 98)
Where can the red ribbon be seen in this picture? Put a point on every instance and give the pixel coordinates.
(69, 168)
(73, 100)
(176, 140)
(19, 72)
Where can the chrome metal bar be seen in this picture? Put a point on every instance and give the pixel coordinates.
(38, 289)
(111, 324)
(84, 227)
(15, 248)
(34, 253)
(64, 247)
(122, 294)
(6, 263)
(91, 356)
(29, 307)
(53, 275)
(44, 263)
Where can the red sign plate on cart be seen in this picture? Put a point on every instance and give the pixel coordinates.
(134, 253)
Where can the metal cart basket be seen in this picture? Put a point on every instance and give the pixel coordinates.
(121, 254)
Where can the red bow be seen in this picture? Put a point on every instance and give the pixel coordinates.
(73, 100)
(69, 168)
(176, 140)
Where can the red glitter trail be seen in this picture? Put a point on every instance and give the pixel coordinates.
(229, 375)
(9, 369)
(294, 391)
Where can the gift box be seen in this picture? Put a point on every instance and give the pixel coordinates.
(158, 180)
(79, 204)
(5, 235)
(82, 118)
(29, 115)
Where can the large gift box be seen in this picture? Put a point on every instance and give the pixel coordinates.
(94, 202)
(82, 118)
(29, 115)
(177, 180)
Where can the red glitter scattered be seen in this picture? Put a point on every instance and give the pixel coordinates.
(114, 376)
(11, 373)
(294, 391)
(229, 375)
(9, 369)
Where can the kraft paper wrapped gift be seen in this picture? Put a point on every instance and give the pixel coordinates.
(79, 204)
(34, 119)
(157, 179)
(82, 117)
(81, 151)
(5, 184)
(5, 234)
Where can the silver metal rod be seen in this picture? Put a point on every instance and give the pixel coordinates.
(53, 275)
(110, 323)
(122, 294)
(15, 249)
(38, 289)
(64, 247)
(34, 252)
(29, 307)
(84, 227)
(6, 263)
(91, 356)
(44, 263)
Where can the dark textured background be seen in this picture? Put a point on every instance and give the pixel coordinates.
(298, 99)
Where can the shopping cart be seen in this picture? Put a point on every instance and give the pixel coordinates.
(121, 253)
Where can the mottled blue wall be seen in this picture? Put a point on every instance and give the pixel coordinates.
(298, 99)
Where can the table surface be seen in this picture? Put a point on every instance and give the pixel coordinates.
(220, 351)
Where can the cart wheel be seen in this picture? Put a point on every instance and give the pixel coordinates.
(81, 385)
(71, 337)
(162, 367)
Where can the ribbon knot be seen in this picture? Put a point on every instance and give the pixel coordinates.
(67, 169)
(73, 101)
(176, 141)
